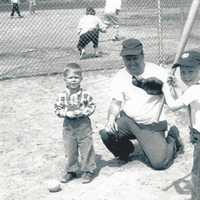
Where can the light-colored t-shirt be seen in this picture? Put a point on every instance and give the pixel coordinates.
(33, 2)
(88, 23)
(111, 6)
(136, 103)
(14, 1)
(191, 97)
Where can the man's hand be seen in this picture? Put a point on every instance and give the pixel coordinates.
(113, 112)
(111, 126)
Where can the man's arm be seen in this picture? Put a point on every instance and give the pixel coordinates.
(113, 112)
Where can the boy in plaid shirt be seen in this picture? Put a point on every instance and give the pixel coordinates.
(75, 106)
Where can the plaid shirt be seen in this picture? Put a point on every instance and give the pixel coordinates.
(74, 105)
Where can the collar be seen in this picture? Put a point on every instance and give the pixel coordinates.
(77, 93)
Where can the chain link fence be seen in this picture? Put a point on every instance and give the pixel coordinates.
(42, 43)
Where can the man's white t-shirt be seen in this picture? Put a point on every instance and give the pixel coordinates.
(136, 103)
(191, 97)
(88, 23)
(111, 6)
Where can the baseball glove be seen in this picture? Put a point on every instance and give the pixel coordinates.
(152, 85)
(194, 136)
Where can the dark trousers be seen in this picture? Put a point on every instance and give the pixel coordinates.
(195, 139)
(86, 38)
(77, 136)
(196, 173)
(159, 150)
(15, 8)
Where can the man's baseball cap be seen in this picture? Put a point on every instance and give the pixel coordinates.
(131, 46)
(188, 59)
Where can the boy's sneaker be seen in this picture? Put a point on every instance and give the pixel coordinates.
(87, 177)
(68, 177)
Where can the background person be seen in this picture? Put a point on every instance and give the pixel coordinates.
(15, 8)
(111, 16)
(88, 29)
(32, 6)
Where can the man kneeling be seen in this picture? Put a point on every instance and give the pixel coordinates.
(134, 109)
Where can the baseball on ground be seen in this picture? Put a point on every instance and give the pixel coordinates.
(53, 185)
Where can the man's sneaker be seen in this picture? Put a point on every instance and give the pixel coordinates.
(82, 54)
(21, 16)
(87, 177)
(68, 177)
(174, 133)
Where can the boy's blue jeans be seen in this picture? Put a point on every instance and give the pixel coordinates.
(77, 136)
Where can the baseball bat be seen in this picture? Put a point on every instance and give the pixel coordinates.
(184, 38)
(187, 29)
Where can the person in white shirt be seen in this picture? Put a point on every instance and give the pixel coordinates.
(111, 16)
(15, 8)
(133, 112)
(189, 64)
(88, 29)
(32, 6)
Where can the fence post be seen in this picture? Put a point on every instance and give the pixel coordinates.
(160, 33)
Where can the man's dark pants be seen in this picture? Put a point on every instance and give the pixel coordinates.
(159, 150)
(15, 7)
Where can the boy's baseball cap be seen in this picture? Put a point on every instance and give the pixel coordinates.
(131, 46)
(188, 59)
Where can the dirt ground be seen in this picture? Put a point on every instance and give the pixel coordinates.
(31, 150)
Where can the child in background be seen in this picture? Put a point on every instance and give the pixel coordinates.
(111, 13)
(189, 64)
(75, 105)
(88, 29)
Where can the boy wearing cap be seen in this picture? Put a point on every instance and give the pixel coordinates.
(189, 64)
(111, 13)
(133, 112)
(88, 29)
